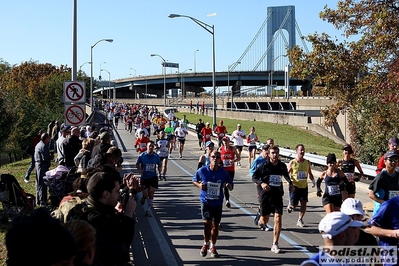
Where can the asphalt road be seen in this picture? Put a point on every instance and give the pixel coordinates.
(173, 236)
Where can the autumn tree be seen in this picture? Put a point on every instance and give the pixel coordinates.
(31, 97)
(360, 73)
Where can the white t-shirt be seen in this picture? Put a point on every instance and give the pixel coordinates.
(181, 132)
(238, 137)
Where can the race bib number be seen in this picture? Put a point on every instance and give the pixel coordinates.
(275, 180)
(213, 190)
(221, 135)
(227, 163)
(207, 136)
(302, 175)
(393, 193)
(150, 167)
(350, 177)
(143, 145)
(333, 190)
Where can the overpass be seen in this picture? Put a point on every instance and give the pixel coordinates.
(197, 82)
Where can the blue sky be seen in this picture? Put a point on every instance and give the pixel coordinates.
(41, 30)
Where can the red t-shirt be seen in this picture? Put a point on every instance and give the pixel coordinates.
(220, 131)
(228, 157)
(207, 133)
(142, 144)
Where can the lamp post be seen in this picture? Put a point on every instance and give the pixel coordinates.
(182, 82)
(109, 84)
(195, 61)
(99, 77)
(211, 30)
(164, 77)
(134, 71)
(80, 68)
(91, 71)
(228, 82)
(272, 72)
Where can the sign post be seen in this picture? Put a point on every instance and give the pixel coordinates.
(74, 100)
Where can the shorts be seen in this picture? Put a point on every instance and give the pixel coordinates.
(351, 188)
(199, 136)
(149, 182)
(170, 137)
(210, 213)
(181, 140)
(251, 148)
(238, 148)
(163, 158)
(299, 194)
(336, 200)
(270, 205)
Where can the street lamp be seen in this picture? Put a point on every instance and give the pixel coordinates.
(182, 82)
(99, 77)
(134, 71)
(80, 68)
(195, 61)
(164, 77)
(211, 30)
(228, 82)
(109, 84)
(91, 71)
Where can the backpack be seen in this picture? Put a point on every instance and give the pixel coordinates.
(74, 208)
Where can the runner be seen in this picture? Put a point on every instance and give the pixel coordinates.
(229, 157)
(141, 143)
(198, 127)
(181, 133)
(252, 138)
(220, 131)
(163, 147)
(206, 132)
(170, 135)
(300, 170)
(238, 137)
(205, 158)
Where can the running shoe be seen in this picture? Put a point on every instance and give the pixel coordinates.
(180, 155)
(164, 178)
(204, 250)
(214, 253)
(238, 163)
(268, 228)
(228, 205)
(26, 180)
(275, 249)
(300, 223)
(289, 209)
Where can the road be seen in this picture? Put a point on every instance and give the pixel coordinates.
(173, 236)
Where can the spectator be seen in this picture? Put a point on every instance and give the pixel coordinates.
(84, 155)
(31, 152)
(85, 238)
(103, 147)
(72, 146)
(65, 132)
(114, 227)
(42, 163)
(337, 229)
(392, 146)
(211, 180)
(57, 245)
(386, 184)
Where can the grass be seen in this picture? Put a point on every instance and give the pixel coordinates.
(283, 135)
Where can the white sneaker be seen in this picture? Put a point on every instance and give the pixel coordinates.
(275, 249)
(300, 223)
(269, 229)
(26, 180)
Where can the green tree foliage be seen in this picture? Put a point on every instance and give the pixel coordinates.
(31, 97)
(360, 73)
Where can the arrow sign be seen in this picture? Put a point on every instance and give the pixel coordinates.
(74, 92)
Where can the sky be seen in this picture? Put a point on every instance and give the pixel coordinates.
(41, 31)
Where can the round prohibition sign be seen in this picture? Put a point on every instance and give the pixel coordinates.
(74, 91)
(75, 115)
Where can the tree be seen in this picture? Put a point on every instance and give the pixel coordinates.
(360, 73)
(31, 97)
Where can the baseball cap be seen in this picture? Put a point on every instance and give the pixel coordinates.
(238, 125)
(209, 143)
(347, 147)
(390, 154)
(265, 147)
(336, 222)
(331, 158)
(394, 141)
(105, 136)
(226, 138)
(352, 206)
(207, 123)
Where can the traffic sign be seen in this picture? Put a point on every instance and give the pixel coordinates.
(169, 64)
(74, 92)
(74, 114)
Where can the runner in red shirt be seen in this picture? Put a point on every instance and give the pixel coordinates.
(141, 143)
(206, 133)
(220, 131)
(229, 157)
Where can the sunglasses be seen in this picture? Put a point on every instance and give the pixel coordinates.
(217, 157)
(393, 159)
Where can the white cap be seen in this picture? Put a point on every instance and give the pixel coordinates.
(336, 222)
(352, 206)
(207, 123)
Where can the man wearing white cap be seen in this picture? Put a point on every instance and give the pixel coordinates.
(337, 229)
(354, 208)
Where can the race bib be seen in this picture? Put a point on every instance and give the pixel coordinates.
(393, 193)
(350, 177)
(227, 163)
(302, 175)
(333, 190)
(143, 145)
(150, 167)
(212, 190)
(207, 136)
(275, 180)
(221, 135)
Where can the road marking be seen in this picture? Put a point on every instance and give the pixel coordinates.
(286, 238)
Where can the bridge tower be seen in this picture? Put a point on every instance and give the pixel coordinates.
(280, 17)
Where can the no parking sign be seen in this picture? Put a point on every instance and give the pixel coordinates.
(74, 114)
